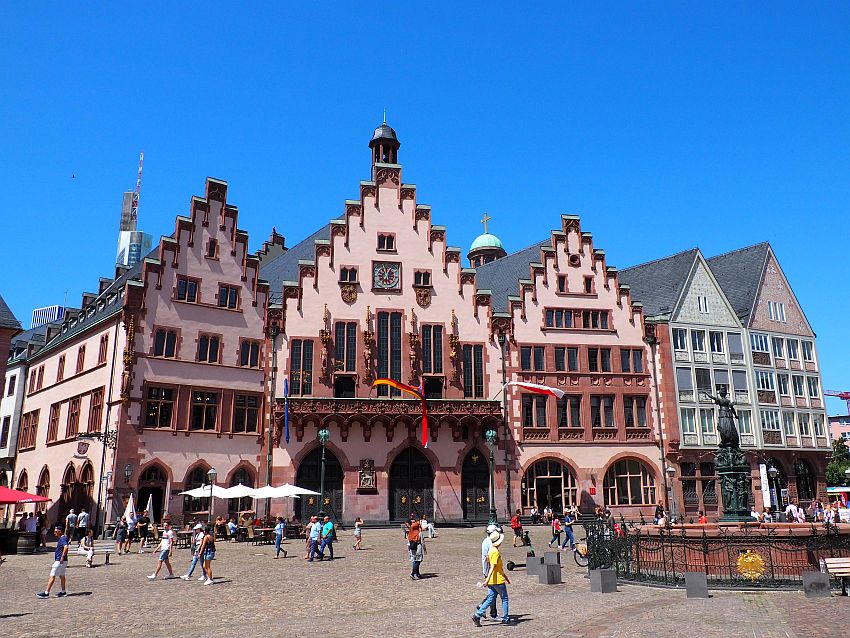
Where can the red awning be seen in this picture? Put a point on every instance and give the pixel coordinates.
(9, 496)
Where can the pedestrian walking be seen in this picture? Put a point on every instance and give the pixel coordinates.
(569, 519)
(556, 531)
(358, 533)
(415, 549)
(207, 552)
(120, 535)
(165, 547)
(516, 526)
(486, 546)
(195, 545)
(279, 532)
(327, 535)
(313, 536)
(131, 532)
(143, 524)
(496, 581)
(83, 523)
(60, 562)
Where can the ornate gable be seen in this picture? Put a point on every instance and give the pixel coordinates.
(776, 308)
(702, 300)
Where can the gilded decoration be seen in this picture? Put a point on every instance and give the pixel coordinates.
(348, 293)
(750, 565)
(423, 297)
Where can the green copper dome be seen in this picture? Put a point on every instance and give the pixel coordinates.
(486, 241)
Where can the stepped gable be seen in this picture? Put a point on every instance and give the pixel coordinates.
(567, 251)
(285, 267)
(212, 208)
(7, 318)
(739, 273)
(658, 284)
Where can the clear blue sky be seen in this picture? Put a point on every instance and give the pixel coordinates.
(663, 127)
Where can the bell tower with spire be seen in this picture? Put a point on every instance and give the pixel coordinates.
(384, 145)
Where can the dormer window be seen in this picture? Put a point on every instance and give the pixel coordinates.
(348, 275)
(386, 241)
(422, 278)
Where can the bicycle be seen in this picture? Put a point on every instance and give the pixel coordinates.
(580, 554)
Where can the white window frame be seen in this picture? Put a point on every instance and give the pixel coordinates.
(745, 422)
(702, 304)
(810, 346)
(817, 421)
(681, 332)
(813, 386)
(706, 418)
(689, 423)
(694, 340)
(802, 388)
(784, 388)
(778, 346)
(770, 420)
(716, 342)
(789, 424)
(805, 424)
(795, 355)
(764, 380)
(759, 342)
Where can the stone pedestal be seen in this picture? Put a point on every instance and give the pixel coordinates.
(816, 585)
(735, 477)
(696, 584)
(533, 565)
(552, 558)
(603, 581)
(550, 574)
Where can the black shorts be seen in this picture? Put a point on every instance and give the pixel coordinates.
(143, 532)
(133, 535)
(517, 531)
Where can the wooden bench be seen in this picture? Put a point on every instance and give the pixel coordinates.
(101, 548)
(838, 568)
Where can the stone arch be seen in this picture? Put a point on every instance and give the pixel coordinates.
(23, 486)
(549, 480)
(629, 481)
(804, 477)
(42, 488)
(475, 484)
(308, 475)
(152, 483)
(411, 482)
(195, 476)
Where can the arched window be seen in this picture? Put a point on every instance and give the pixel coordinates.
(87, 479)
(805, 480)
(235, 505)
(43, 487)
(551, 483)
(23, 486)
(629, 482)
(153, 474)
(68, 480)
(191, 504)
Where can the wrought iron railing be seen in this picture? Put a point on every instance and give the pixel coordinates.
(744, 556)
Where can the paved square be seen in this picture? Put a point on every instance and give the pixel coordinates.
(369, 593)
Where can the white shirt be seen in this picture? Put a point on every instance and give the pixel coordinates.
(167, 539)
(486, 544)
(791, 511)
(83, 520)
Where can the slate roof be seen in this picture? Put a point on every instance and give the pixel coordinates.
(739, 273)
(658, 284)
(7, 318)
(20, 342)
(285, 266)
(501, 277)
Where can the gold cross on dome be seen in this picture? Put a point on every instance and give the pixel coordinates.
(484, 221)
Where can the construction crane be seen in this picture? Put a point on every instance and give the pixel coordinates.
(844, 396)
(134, 213)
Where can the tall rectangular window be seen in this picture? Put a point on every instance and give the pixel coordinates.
(793, 349)
(706, 420)
(569, 411)
(345, 346)
(716, 342)
(736, 347)
(572, 359)
(81, 358)
(797, 382)
(745, 425)
(11, 389)
(698, 340)
(689, 425)
(803, 419)
(228, 297)
(249, 354)
(525, 357)
(602, 411)
(739, 381)
(159, 407)
(208, 347)
(73, 424)
(473, 371)
(788, 424)
(4, 431)
(814, 387)
(204, 410)
(432, 349)
(817, 420)
(301, 377)
(680, 339)
(389, 350)
(778, 350)
(95, 410)
(539, 358)
(808, 351)
(52, 423)
(104, 346)
(703, 376)
(40, 383)
(534, 410)
(165, 343)
(634, 411)
(187, 289)
(246, 410)
(60, 369)
(782, 383)
(593, 359)
(560, 359)
(605, 359)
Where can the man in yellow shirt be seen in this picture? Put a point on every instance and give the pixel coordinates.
(496, 581)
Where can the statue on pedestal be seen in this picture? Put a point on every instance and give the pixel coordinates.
(730, 463)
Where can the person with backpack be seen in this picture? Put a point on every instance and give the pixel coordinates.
(516, 526)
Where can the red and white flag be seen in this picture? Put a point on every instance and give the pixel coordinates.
(537, 388)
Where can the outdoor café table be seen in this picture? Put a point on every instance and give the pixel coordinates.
(265, 534)
(184, 538)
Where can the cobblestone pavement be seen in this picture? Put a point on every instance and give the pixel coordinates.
(370, 593)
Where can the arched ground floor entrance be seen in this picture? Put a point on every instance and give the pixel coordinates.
(309, 477)
(475, 486)
(411, 485)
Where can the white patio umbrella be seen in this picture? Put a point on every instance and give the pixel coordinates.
(204, 491)
(267, 491)
(293, 490)
(239, 491)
